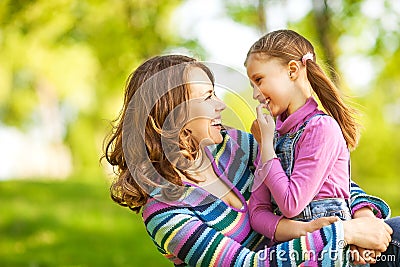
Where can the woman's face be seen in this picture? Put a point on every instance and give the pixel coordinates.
(204, 109)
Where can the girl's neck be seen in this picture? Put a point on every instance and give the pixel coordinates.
(299, 101)
(296, 105)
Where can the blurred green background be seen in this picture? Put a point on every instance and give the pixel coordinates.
(63, 66)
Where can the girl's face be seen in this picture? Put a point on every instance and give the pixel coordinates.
(204, 109)
(271, 83)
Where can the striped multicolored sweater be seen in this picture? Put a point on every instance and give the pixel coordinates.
(202, 230)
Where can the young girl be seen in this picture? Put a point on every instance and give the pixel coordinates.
(304, 167)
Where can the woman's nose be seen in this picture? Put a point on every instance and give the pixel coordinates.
(256, 92)
(220, 105)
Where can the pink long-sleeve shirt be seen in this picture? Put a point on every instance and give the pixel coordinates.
(320, 170)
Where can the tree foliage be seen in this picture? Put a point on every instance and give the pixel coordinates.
(75, 56)
(71, 58)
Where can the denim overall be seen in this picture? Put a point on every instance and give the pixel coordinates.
(285, 149)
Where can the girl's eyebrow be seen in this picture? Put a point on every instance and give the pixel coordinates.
(254, 76)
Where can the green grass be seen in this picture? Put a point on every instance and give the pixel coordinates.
(70, 223)
(385, 188)
(75, 223)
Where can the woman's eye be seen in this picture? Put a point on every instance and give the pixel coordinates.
(211, 95)
(257, 80)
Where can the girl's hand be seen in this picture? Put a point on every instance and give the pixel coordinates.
(368, 232)
(319, 223)
(263, 129)
(266, 123)
(255, 130)
(289, 229)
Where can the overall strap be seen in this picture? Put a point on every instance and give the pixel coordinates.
(313, 116)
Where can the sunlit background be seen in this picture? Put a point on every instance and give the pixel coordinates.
(63, 66)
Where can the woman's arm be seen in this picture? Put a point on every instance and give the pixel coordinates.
(359, 199)
(183, 238)
(363, 205)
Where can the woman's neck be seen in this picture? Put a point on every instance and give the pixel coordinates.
(200, 164)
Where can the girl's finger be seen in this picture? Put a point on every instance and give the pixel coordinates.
(260, 114)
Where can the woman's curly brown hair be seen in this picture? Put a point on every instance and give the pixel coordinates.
(148, 144)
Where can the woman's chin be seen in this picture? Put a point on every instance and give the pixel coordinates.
(218, 139)
(212, 140)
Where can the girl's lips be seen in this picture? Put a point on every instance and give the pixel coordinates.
(264, 101)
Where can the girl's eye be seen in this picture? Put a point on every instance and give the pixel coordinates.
(257, 80)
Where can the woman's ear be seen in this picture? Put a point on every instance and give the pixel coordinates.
(293, 69)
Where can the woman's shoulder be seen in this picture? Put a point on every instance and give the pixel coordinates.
(233, 131)
(156, 208)
(236, 135)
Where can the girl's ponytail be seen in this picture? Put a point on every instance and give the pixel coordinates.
(333, 103)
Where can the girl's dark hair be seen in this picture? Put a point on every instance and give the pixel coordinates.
(287, 45)
(154, 91)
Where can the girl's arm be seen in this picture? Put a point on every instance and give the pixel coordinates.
(317, 150)
(183, 238)
(278, 228)
(262, 218)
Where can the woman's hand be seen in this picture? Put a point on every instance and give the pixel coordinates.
(263, 129)
(364, 212)
(368, 232)
(360, 255)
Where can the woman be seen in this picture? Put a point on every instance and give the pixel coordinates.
(191, 178)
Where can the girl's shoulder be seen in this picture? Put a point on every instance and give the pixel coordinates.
(322, 121)
(322, 129)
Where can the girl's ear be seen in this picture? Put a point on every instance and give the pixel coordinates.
(293, 69)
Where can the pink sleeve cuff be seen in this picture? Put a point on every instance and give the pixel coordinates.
(263, 169)
(275, 225)
(375, 210)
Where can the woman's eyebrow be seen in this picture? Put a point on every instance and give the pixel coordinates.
(208, 92)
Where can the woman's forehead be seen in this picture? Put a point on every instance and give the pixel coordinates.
(199, 83)
(198, 75)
